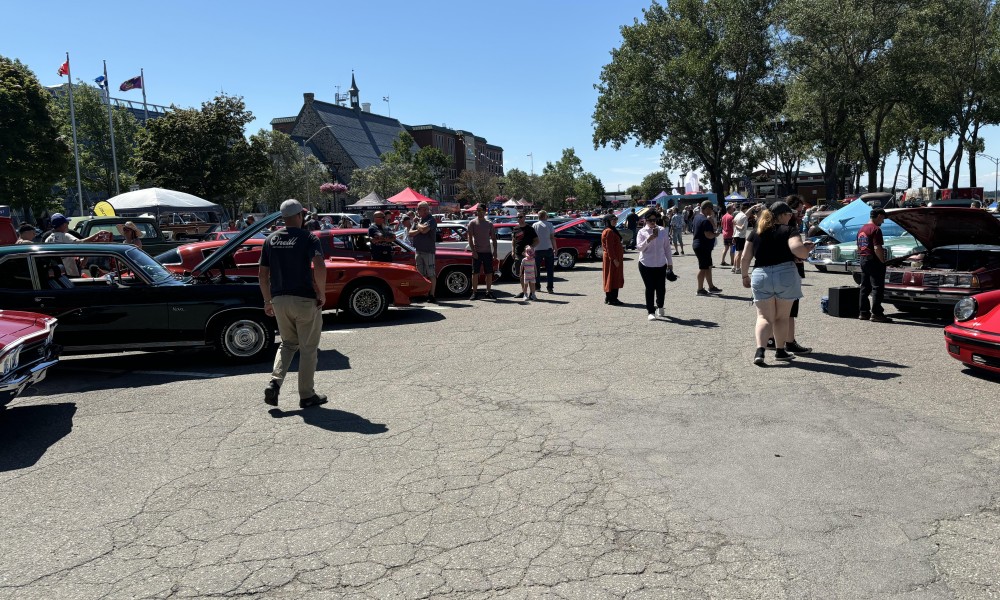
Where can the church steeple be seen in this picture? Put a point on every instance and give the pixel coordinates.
(354, 93)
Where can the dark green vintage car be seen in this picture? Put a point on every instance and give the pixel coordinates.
(115, 298)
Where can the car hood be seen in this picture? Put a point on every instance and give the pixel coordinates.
(232, 245)
(935, 227)
(843, 224)
(15, 324)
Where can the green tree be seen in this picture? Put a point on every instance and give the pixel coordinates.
(93, 133)
(205, 152)
(588, 190)
(558, 180)
(291, 174)
(477, 187)
(652, 184)
(33, 156)
(694, 76)
(422, 169)
(635, 193)
(519, 184)
(385, 179)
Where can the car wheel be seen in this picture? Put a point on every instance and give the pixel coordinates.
(820, 268)
(513, 269)
(458, 282)
(597, 252)
(245, 339)
(367, 302)
(566, 259)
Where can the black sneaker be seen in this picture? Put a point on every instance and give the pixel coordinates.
(271, 393)
(314, 400)
(702, 292)
(490, 296)
(796, 348)
(864, 317)
(473, 296)
(715, 290)
(550, 290)
(781, 354)
(758, 357)
(881, 319)
(770, 343)
(431, 300)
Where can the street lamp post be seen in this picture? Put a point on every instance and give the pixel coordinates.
(996, 167)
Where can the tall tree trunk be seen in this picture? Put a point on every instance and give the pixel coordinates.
(911, 153)
(881, 174)
(895, 178)
(958, 163)
(973, 153)
(924, 172)
(945, 167)
(830, 176)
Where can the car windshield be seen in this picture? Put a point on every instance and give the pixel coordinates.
(153, 270)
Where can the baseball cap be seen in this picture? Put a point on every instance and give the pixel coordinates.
(780, 208)
(58, 220)
(707, 204)
(290, 208)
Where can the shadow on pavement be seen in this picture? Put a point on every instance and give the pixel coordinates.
(929, 319)
(27, 432)
(420, 313)
(332, 419)
(690, 322)
(847, 366)
(982, 374)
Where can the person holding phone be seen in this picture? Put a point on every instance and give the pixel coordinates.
(655, 263)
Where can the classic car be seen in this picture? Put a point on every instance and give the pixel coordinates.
(26, 351)
(154, 241)
(962, 257)
(842, 258)
(974, 337)
(363, 289)
(125, 300)
(569, 249)
(223, 235)
(596, 224)
(842, 226)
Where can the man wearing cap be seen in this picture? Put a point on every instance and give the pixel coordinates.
(424, 238)
(293, 282)
(382, 238)
(61, 235)
(871, 256)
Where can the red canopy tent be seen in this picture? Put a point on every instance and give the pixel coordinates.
(410, 199)
(472, 208)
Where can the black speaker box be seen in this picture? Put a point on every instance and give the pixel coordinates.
(844, 301)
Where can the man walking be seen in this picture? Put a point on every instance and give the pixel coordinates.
(677, 230)
(632, 224)
(546, 249)
(871, 256)
(382, 238)
(727, 234)
(293, 282)
(424, 237)
(740, 232)
(483, 242)
(703, 244)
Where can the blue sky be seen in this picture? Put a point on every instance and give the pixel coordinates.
(518, 73)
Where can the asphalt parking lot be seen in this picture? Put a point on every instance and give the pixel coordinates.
(563, 449)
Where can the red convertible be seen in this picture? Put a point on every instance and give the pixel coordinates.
(974, 338)
(26, 351)
(364, 289)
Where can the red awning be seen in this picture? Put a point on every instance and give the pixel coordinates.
(472, 208)
(410, 199)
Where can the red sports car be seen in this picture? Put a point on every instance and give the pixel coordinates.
(453, 265)
(26, 351)
(974, 338)
(362, 288)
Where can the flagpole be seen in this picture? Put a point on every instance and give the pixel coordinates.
(142, 80)
(76, 150)
(111, 125)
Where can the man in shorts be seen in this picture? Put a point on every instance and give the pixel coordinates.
(740, 231)
(424, 237)
(483, 242)
(727, 234)
(703, 244)
(677, 230)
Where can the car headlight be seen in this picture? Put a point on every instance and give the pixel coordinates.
(963, 280)
(966, 309)
(949, 280)
(835, 254)
(10, 360)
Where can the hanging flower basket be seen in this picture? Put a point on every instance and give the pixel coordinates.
(500, 198)
(333, 188)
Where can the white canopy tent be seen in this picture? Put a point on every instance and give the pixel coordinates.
(159, 200)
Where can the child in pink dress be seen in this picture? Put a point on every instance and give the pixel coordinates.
(528, 271)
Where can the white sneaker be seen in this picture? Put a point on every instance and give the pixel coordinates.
(660, 313)
(651, 318)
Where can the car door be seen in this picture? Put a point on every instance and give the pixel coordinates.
(96, 310)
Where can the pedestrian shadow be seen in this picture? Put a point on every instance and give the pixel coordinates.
(409, 315)
(327, 360)
(698, 323)
(27, 432)
(332, 419)
(846, 366)
(731, 297)
(929, 320)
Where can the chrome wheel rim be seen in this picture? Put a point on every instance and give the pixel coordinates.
(565, 260)
(457, 282)
(366, 302)
(245, 338)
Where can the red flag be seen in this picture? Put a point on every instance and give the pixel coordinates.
(64, 69)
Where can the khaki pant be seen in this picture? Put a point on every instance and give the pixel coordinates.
(300, 322)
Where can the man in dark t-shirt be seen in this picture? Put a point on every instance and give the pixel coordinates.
(871, 259)
(522, 236)
(632, 224)
(382, 239)
(293, 283)
(703, 227)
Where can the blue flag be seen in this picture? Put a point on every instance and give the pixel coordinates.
(101, 82)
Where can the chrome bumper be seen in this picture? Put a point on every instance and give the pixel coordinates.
(15, 384)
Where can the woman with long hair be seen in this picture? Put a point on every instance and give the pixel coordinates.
(773, 246)
(655, 264)
(612, 262)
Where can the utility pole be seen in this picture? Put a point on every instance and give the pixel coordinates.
(531, 155)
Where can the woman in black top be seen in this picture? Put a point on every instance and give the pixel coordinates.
(775, 281)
